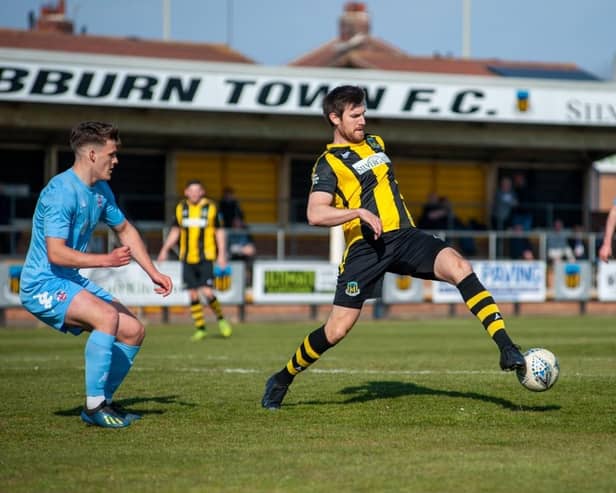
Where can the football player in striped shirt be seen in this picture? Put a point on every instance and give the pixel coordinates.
(197, 227)
(353, 185)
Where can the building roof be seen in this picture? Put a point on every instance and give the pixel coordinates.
(355, 47)
(60, 41)
(375, 54)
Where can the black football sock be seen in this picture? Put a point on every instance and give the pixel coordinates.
(480, 302)
(308, 352)
(216, 308)
(196, 312)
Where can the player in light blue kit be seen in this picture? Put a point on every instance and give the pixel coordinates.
(68, 210)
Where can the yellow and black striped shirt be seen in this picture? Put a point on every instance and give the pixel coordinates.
(361, 176)
(197, 223)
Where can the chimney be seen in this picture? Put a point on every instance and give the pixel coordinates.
(354, 20)
(52, 18)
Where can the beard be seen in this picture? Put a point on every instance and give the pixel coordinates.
(354, 136)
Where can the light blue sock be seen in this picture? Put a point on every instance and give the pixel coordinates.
(98, 362)
(122, 358)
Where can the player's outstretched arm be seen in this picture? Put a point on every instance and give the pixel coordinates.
(130, 237)
(605, 252)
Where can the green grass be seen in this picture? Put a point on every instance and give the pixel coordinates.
(415, 406)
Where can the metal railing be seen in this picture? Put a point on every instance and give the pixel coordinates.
(308, 242)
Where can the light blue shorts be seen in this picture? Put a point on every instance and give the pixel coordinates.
(49, 300)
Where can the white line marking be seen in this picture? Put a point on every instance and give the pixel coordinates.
(326, 371)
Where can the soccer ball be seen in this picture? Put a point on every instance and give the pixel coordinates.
(542, 370)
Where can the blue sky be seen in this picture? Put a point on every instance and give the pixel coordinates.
(275, 32)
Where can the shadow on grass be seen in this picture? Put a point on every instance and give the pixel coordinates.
(131, 402)
(387, 390)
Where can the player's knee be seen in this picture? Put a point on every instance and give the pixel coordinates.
(137, 329)
(139, 334)
(452, 267)
(207, 293)
(131, 331)
(336, 332)
(463, 268)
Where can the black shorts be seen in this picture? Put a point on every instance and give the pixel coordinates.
(409, 252)
(198, 275)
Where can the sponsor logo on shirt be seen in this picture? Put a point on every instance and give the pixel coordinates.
(194, 222)
(371, 162)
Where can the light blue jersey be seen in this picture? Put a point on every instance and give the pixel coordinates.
(67, 208)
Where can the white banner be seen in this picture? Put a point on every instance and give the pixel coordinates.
(572, 280)
(97, 80)
(9, 284)
(132, 286)
(402, 289)
(507, 281)
(294, 282)
(606, 281)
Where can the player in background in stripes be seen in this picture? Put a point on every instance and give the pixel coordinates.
(197, 227)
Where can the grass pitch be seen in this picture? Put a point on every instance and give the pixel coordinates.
(416, 406)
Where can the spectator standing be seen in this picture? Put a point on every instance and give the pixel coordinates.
(505, 200)
(241, 246)
(522, 212)
(229, 207)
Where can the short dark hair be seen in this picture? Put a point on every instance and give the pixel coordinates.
(194, 182)
(92, 132)
(340, 97)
